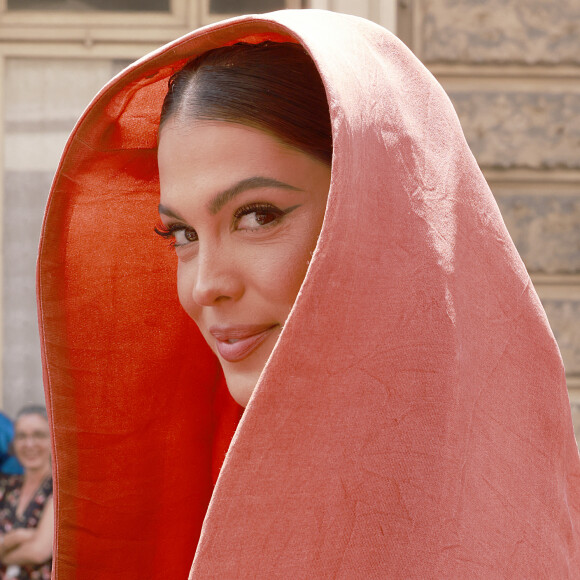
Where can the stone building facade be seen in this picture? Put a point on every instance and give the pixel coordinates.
(511, 68)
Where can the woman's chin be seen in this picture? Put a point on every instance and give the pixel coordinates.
(31, 465)
(241, 385)
(243, 376)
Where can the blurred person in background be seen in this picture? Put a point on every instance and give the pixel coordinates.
(26, 506)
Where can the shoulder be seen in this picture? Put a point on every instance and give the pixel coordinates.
(8, 484)
(47, 486)
(10, 481)
(44, 492)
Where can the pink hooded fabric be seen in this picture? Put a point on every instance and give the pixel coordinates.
(413, 419)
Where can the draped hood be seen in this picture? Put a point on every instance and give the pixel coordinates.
(413, 419)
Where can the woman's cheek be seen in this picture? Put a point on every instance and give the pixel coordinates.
(283, 275)
(185, 286)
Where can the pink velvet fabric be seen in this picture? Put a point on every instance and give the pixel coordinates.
(413, 420)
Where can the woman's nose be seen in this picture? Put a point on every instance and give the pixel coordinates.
(217, 279)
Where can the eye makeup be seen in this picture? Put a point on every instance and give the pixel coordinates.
(249, 217)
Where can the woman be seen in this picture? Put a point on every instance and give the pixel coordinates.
(26, 510)
(406, 413)
(256, 147)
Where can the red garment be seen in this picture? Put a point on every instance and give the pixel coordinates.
(413, 420)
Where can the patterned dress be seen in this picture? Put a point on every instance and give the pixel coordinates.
(10, 486)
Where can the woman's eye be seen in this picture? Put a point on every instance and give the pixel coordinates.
(177, 234)
(254, 217)
(183, 236)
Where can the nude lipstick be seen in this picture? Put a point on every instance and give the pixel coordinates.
(235, 343)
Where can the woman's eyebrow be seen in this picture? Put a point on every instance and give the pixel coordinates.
(227, 195)
(169, 212)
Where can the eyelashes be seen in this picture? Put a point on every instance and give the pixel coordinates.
(178, 234)
(162, 231)
(261, 214)
(249, 217)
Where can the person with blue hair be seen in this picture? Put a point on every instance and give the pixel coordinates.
(8, 462)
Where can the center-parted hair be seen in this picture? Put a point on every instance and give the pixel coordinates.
(270, 86)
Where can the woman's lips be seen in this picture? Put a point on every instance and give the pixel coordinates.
(235, 343)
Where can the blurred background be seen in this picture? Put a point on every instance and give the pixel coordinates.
(511, 68)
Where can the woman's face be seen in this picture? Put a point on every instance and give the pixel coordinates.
(32, 442)
(244, 212)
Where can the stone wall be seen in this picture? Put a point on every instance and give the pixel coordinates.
(512, 70)
(499, 31)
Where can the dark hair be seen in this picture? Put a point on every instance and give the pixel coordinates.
(32, 410)
(272, 86)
